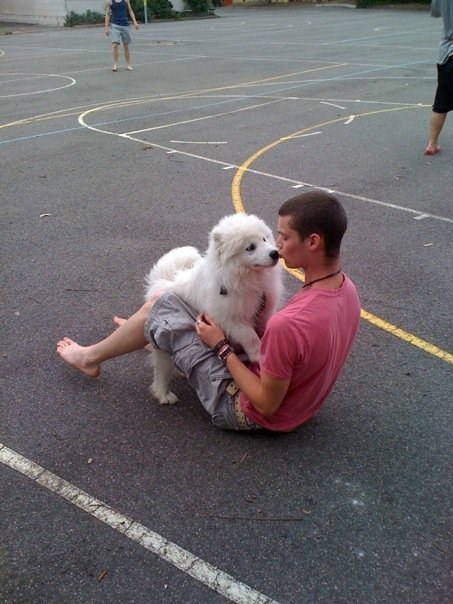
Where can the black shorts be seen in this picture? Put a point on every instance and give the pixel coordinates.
(443, 101)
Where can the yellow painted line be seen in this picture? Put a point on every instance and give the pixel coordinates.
(390, 328)
(62, 113)
(367, 316)
(236, 183)
(191, 93)
(407, 337)
(280, 77)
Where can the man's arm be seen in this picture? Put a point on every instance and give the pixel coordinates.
(264, 392)
(107, 16)
(131, 14)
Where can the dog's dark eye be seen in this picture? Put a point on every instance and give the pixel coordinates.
(250, 248)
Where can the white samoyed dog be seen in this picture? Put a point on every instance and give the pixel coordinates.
(237, 281)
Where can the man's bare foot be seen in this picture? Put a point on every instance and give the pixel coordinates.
(76, 356)
(432, 149)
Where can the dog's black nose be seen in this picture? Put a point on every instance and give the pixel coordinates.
(274, 255)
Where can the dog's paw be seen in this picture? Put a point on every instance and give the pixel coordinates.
(253, 353)
(254, 357)
(163, 398)
(170, 398)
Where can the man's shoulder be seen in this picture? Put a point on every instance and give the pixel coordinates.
(292, 312)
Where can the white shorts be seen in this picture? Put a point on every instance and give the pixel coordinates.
(120, 33)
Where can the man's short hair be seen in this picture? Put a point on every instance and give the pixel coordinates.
(317, 212)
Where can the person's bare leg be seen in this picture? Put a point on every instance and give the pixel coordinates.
(115, 56)
(129, 337)
(127, 56)
(435, 127)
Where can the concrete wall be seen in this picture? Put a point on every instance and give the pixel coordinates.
(53, 12)
(45, 12)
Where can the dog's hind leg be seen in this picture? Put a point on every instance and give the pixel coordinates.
(160, 388)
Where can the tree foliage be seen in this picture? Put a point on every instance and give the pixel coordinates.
(371, 3)
(158, 9)
(87, 18)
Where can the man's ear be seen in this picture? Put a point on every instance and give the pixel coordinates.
(315, 241)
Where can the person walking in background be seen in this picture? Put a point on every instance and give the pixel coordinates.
(116, 13)
(443, 101)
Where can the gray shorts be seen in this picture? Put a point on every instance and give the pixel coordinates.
(170, 327)
(120, 33)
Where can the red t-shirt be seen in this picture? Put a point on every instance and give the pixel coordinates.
(307, 342)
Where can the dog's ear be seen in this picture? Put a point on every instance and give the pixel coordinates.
(217, 243)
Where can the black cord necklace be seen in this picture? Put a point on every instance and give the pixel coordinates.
(321, 278)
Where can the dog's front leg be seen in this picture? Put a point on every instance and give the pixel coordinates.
(247, 337)
(160, 388)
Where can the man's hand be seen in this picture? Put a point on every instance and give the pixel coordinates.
(208, 331)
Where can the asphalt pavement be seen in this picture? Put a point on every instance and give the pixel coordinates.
(104, 495)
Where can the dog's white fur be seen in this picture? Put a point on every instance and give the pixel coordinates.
(237, 281)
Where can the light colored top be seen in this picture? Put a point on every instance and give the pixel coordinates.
(444, 9)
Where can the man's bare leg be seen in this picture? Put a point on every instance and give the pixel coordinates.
(127, 57)
(115, 56)
(129, 337)
(435, 127)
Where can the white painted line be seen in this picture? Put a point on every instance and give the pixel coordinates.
(332, 105)
(201, 142)
(202, 571)
(349, 120)
(228, 167)
(197, 119)
(302, 135)
(72, 82)
(299, 186)
(360, 198)
(421, 216)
